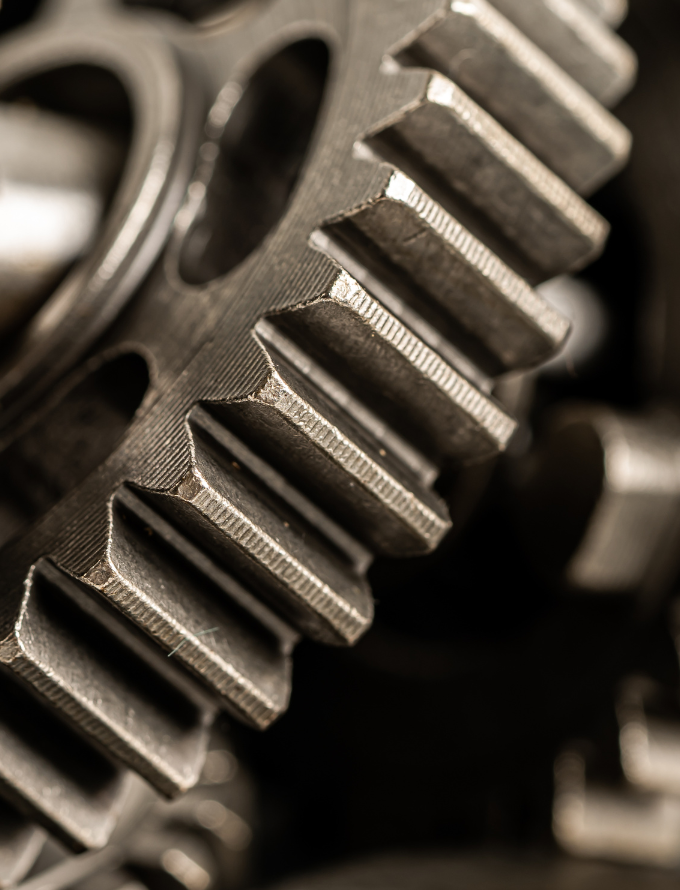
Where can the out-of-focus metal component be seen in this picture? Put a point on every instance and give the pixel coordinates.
(580, 43)
(201, 840)
(611, 11)
(20, 844)
(56, 175)
(478, 48)
(649, 720)
(318, 342)
(483, 869)
(604, 487)
(580, 303)
(623, 824)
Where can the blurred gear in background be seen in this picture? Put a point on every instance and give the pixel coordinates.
(282, 280)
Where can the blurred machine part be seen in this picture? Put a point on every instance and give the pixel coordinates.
(602, 498)
(483, 870)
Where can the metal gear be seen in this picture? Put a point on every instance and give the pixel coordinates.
(319, 338)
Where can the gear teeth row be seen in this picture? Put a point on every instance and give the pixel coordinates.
(579, 42)
(511, 78)
(616, 475)
(411, 384)
(329, 457)
(52, 774)
(201, 616)
(453, 275)
(551, 228)
(367, 390)
(323, 595)
(116, 690)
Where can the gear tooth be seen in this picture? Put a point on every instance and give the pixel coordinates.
(449, 272)
(54, 775)
(407, 381)
(527, 92)
(20, 845)
(548, 225)
(330, 457)
(200, 616)
(271, 548)
(579, 42)
(114, 690)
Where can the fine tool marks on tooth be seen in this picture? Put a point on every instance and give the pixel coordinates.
(547, 225)
(579, 41)
(287, 564)
(172, 591)
(20, 844)
(406, 380)
(331, 458)
(502, 70)
(452, 273)
(112, 687)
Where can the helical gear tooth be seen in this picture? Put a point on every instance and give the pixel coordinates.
(113, 688)
(201, 617)
(272, 550)
(52, 774)
(512, 79)
(613, 12)
(547, 223)
(332, 459)
(406, 381)
(579, 42)
(20, 843)
(454, 274)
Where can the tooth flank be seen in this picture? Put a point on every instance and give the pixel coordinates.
(479, 49)
(546, 222)
(114, 691)
(578, 41)
(281, 558)
(281, 487)
(405, 380)
(461, 279)
(53, 774)
(20, 844)
(327, 455)
(202, 617)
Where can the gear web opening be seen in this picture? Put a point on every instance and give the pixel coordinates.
(262, 150)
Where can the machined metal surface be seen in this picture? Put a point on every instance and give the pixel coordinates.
(281, 373)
